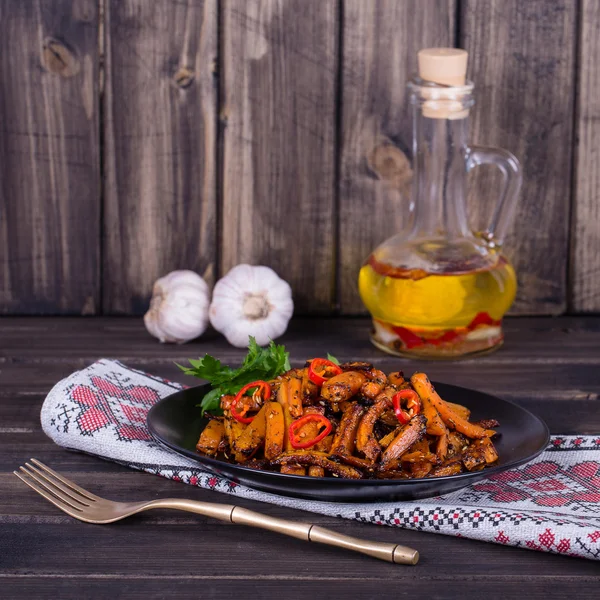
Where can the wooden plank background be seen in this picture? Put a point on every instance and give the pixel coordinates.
(159, 145)
(141, 137)
(278, 109)
(523, 62)
(585, 230)
(49, 157)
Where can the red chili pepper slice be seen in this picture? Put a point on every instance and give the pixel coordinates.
(311, 418)
(263, 388)
(328, 368)
(413, 404)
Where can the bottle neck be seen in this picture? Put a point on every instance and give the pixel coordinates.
(440, 132)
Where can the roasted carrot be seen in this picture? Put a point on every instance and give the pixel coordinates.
(459, 409)
(282, 398)
(233, 430)
(452, 467)
(292, 469)
(386, 440)
(421, 469)
(376, 382)
(397, 378)
(359, 463)
(275, 430)
(314, 471)
(411, 457)
(343, 441)
(211, 437)
(226, 401)
(310, 391)
(423, 386)
(283, 391)
(435, 425)
(325, 444)
(365, 438)
(252, 438)
(370, 389)
(295, 396)
(441, 449)
(410, 434)
(478, 454)
(318, 459)
(419, 448)
(342, 387)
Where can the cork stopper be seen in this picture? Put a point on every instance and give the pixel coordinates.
(442, 86)
(445, 66)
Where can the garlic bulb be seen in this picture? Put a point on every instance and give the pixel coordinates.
(251, 301)
(179, 307)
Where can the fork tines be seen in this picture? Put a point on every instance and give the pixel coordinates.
(57, 489)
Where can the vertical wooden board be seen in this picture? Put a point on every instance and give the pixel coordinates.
(585, 234)
(380, 44)
(49, 157)
(160, 145)
(279, 110)
(522, 60)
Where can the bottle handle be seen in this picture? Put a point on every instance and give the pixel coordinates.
(509, 193)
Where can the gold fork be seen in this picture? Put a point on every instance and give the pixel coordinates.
(88, 507)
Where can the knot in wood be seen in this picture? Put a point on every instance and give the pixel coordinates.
(184, 77)
(387, 162)
(59, 59)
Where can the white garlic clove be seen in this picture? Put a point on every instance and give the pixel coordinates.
(179, 306)
(251, 301)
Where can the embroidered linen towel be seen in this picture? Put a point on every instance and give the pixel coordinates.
(551, 504)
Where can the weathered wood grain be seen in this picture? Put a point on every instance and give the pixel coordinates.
(146, 588)
(173, 531)
(34, 344)
(585, 222)
(548, 365)
(522, 59)
(278, 110)
(380, 43)
(160, 146)
(49, 157)
(183, 544)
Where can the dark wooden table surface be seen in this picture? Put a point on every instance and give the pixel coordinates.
(550, 366)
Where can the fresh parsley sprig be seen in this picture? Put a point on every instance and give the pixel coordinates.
(260, 363)
(333, 359)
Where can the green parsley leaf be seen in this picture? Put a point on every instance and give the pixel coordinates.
(212, 401)
(259, 363)
(332, 358)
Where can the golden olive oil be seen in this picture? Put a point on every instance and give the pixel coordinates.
(449, 314)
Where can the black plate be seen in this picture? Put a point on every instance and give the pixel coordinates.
(175, 421)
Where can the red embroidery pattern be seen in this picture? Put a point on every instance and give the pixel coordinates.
(112, 402)
(546, 484)
(594, 537)
(501, 538)
(547, 541)
(549, 505)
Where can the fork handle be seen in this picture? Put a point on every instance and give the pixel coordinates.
(394, 553)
